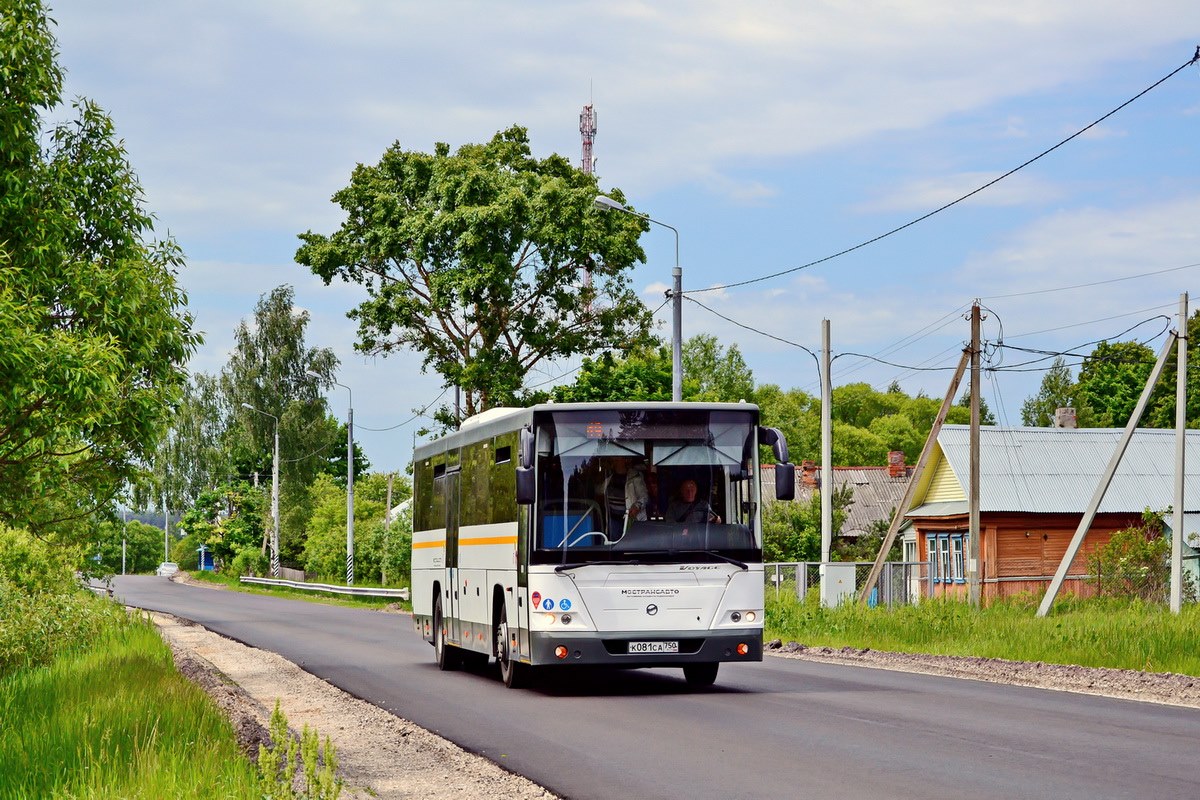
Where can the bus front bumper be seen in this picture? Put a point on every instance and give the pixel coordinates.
(643, 649)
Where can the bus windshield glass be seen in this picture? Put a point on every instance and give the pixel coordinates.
(646, 485)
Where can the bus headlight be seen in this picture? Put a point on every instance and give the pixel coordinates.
(751, 616)
(549, 618)
(736, 616)
(566, 619)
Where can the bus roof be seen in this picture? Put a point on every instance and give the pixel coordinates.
(495, 421)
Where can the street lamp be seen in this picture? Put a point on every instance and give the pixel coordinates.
(274, 493)
(349, 479)
(605, 203)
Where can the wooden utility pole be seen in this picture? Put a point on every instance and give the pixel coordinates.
(973, 499)
(898, 515)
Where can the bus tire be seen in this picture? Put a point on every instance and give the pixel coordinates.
(447, 655)
(701, 674)
(511, 672)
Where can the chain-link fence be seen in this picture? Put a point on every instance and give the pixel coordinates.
(900, 582)
(1147, 578)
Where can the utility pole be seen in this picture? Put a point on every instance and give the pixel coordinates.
(1180, 445)
(974, 531)
(826, 448)
(166, 529)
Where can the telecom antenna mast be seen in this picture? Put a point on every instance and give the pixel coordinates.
(587, 129)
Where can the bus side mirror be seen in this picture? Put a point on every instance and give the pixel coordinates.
(785, 481)
(774, 438)
(525, 481)
(525, 487)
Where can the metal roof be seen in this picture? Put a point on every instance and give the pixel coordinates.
(876, 494)
(1056, 470)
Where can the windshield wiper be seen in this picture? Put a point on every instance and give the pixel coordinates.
(578, 564)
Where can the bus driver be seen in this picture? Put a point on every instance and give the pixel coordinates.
(689, 508)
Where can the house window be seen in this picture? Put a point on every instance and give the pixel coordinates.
(946, 552)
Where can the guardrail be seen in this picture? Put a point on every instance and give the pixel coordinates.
(361, 591)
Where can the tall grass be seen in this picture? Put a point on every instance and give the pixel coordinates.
(116, 721)
(1095, 633)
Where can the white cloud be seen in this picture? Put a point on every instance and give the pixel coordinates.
(930, 193)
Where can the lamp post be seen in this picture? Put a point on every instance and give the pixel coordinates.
(606, 203)
(274, 493)
(349, 479)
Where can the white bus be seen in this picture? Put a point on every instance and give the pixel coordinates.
(525, 546)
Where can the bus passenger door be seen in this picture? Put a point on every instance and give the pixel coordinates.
(453, 625)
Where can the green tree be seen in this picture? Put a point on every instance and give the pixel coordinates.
(792, 530)
(1111, 380)
(1058, 390)
(1161, 411)
(474, 259)
(898, 433)
(643, 374)
(713, 373)
(985, 413)
(143, 548)
(273, 370)
(93, 336)
(228, 519)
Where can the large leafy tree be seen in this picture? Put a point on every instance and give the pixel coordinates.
(93, 335)
(715, 373)
(475, 260)
(643, 374)
(273, 370)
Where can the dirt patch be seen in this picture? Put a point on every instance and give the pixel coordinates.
(1153, 687)
(380, 754)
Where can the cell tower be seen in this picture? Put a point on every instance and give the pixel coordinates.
(587, 129)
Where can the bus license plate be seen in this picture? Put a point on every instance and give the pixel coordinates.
(654, 647)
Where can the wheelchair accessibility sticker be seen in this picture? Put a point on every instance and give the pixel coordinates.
(564, 604)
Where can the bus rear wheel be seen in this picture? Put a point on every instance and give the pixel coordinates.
(701, 674)
(511, 672)
(447, 655)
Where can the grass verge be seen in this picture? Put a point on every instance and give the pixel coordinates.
(116, 721)
(1092, 633)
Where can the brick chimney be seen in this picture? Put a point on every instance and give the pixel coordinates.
(1064, 417)
(896, 467)
(808, 473)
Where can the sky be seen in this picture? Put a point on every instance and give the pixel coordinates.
(769, 134)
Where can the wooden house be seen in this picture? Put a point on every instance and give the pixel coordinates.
(1035, 484)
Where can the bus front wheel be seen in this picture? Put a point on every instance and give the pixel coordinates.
(511, 672)
(447, 655)
(701, 674)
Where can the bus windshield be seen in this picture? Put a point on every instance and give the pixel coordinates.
(646, 485)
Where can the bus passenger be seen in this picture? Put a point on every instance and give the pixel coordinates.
(625, 495)
(689, 508)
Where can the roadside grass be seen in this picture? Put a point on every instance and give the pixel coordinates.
(1120, 634)
(116, 720)
(350, 601)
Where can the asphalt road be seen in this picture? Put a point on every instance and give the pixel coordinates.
(781, 729)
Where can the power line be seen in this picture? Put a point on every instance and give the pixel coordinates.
(751, 329)
(1093, 321)
(972, 193)
(416, 416)
(1093, 283)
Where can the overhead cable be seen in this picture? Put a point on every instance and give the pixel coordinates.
(972, 193)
